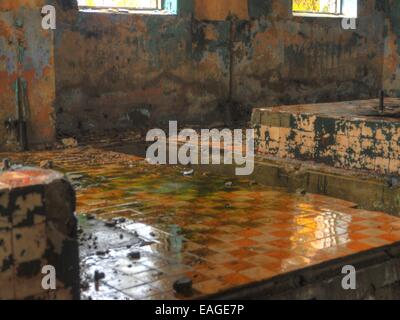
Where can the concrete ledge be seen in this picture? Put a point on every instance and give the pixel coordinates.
(349, 135)
(377, 277)
(366, 191)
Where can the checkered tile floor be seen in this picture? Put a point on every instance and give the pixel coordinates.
(200, 227)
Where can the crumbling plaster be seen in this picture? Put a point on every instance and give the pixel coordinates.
(119, 71)
(391, 65)
(26, 52)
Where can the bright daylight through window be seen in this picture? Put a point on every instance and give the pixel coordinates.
(151, 6)
(340, 8)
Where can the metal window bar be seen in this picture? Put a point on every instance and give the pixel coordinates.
(337, 5)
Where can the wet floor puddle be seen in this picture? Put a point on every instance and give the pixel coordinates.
(158, 226)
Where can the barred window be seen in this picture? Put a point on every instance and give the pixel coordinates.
(342, 8)
(129, 5)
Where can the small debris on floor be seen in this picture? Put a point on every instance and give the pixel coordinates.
(188, 173)
(74, 177)
(110, 223)
(46, 164)
(90, 216)
(6, 164)
(134, 255)
(75, 180)
(183, 286)
(69, 142)
(119, 219)
(102, 253)
(228, 184)
(394, 182)
(301, 191)
(98, 275)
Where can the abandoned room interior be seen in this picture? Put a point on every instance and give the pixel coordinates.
(199, 149)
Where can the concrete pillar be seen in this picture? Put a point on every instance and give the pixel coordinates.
(38, 228)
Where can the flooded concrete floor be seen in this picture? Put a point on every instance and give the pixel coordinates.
(144, 227)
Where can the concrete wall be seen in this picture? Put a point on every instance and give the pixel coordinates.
(391, 66)
(113, 70)
(126, 71)
(26, 51)
(286, 60)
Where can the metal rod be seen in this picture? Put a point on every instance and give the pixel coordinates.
(382, 101)
(20, 91)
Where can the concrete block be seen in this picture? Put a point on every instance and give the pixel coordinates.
(310, 132)
(29, 242)
(42, 230)
(5, 216)
(6, 265)
(28, 280)
(273, 134)
(394, 166)
(382, 165)
(29, 206)
(7, 290)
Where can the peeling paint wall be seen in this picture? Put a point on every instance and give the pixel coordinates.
(280, 59)
(348, 140)
(391, 65)
(220, 10)
(122, 71)
(216, 58)
(26, 52)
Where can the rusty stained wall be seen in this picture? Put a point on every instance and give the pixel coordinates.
(119, 71)
(391, 65)
(284, 60)
(34, 46)
(220, 10)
